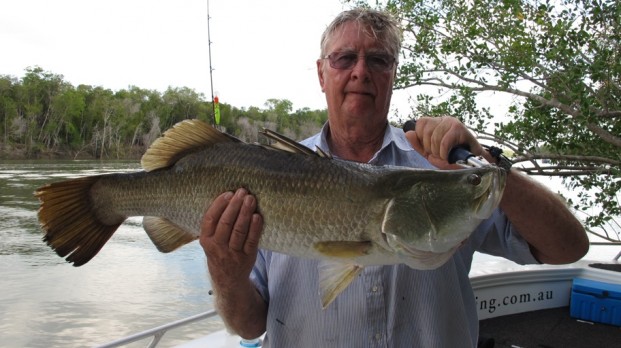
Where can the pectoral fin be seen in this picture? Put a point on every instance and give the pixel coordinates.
(334, 277)
(343, 249)
(166, 235)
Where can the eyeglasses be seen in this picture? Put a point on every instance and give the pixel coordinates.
(347, 60)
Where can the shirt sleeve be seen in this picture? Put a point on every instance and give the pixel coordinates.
(497, 236)
(258, 276)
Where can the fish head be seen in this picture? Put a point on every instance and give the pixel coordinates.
(436, 210)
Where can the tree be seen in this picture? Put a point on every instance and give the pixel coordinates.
(183, 104)
(8, 108)
(41, 115)
(36, 99)
(278, 111)
(560, 61)
(69, 107)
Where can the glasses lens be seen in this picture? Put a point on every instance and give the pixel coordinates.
(347, 60)
(379, 62)
(343, 60)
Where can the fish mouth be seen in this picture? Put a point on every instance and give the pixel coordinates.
(491, 196)
(416, 258)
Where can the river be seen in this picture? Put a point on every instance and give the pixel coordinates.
(128, 287)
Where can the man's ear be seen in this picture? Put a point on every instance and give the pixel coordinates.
(320, 73)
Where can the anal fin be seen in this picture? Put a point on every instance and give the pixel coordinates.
(166, 235)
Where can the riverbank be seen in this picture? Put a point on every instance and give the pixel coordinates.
(8, 152)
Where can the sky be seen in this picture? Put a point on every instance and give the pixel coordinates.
(259, 49)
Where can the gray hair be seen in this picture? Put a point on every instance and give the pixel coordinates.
(378, 24)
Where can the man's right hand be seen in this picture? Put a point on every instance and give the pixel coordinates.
(230, 233)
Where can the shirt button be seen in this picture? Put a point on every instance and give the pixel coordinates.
(374, 289)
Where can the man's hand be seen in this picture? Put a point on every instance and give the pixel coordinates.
(230, 233)
(434, 137)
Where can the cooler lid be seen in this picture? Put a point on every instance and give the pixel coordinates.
(597, 288)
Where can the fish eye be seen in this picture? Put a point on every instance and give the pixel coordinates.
(474, 179)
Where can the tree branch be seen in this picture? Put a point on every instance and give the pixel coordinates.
(604, 134)
(561, 172)
(570, 158)
(610, 114)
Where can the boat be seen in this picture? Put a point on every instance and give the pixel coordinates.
(518, 306)
(542, 305)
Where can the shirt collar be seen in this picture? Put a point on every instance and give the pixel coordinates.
(393, 136)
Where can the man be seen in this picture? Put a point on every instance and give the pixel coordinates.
(396, 306)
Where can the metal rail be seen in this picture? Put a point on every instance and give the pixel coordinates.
(158, 332)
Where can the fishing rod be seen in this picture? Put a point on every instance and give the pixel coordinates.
(213, 104)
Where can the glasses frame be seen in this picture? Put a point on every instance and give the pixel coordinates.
(334, 55)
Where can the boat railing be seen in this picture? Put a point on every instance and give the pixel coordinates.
(157, 333)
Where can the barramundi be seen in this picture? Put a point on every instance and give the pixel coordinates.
(346, 214)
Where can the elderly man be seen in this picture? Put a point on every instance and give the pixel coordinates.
(261, 291)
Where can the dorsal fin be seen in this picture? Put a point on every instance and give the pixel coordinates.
(284, 143)
(185, 137)
(322, 153)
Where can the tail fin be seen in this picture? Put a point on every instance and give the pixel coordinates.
(70, 222)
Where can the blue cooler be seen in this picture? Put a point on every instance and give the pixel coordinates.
(596, 301)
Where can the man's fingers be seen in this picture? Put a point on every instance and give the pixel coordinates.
(242, 223)
(254, 234)
(437, 136)
(228, 218)
(212, 215)
(413, 139)
(232, 223)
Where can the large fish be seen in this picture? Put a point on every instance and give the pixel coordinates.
(347, 214)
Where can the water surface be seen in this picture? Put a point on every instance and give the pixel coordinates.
(128, 287)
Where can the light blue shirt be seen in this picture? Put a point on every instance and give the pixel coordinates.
(387, 306)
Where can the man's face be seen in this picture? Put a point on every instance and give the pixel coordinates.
(362, 92)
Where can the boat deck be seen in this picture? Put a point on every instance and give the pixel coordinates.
(548, 328)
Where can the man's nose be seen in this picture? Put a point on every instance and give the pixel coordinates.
(360, 69)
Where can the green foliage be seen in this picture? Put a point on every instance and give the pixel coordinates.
(42, 115)
(559, 61)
